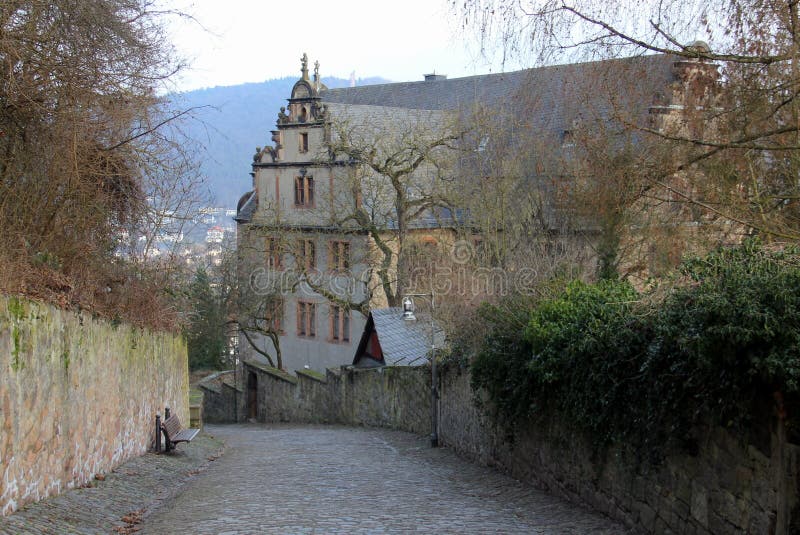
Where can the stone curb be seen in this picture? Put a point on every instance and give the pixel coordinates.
(118, 501)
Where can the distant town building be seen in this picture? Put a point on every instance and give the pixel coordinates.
(215, 234)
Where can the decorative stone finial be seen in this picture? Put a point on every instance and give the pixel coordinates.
(304, 63)
(282, 117)
(316, 71)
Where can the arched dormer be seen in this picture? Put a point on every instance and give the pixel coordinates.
(305, 103)
(302, 90)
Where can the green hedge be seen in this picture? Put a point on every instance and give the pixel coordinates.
(647, 368)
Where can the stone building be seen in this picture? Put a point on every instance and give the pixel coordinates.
(310, 267)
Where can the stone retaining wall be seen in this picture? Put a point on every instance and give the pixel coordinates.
(78, 396)
(398, 398)
(219, 398)
(729, 486)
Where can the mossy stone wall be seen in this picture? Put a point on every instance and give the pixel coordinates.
(394, 397)
(78, 396)
(730, 484)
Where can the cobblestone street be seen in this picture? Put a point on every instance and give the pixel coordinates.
(321, 480)
(292, 479)
(116, 503)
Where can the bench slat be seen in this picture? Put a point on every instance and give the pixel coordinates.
(174, 432)
(186, 435)
(172, 427)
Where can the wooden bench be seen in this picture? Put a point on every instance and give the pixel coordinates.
(174, 433)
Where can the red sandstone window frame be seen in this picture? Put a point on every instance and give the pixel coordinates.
(274, 315)
(306, 319)
(339, 325)
(338, 255)
(306, 255)
(304, 192)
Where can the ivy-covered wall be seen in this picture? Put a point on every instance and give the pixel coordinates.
(78, 396)
(729, 484)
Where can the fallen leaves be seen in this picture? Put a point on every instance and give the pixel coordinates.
(131, 519)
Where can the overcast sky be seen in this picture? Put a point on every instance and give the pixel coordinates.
(256, 40)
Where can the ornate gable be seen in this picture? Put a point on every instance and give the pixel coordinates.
(305, 103)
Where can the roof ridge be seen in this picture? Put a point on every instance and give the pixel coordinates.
(494, 74)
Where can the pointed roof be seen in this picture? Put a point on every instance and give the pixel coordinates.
(403, 343)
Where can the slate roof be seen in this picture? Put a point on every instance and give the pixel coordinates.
(383, 119)
(404, 343)
(442, 94)
(635, 81)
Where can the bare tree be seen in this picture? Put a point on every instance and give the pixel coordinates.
(258, 289)
(734, 141)
(85, 151)
(558, 177)
(398, 179)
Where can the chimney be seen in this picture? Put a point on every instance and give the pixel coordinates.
(433, 77)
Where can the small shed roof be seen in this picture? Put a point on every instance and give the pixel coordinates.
(403, 343)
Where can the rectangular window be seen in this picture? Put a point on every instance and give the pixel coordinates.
(303, 142)
(304, 191)
(306, 255)
(273, 253)
(273, 315)
(340, 324)
(306, 319)
(339, 256)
